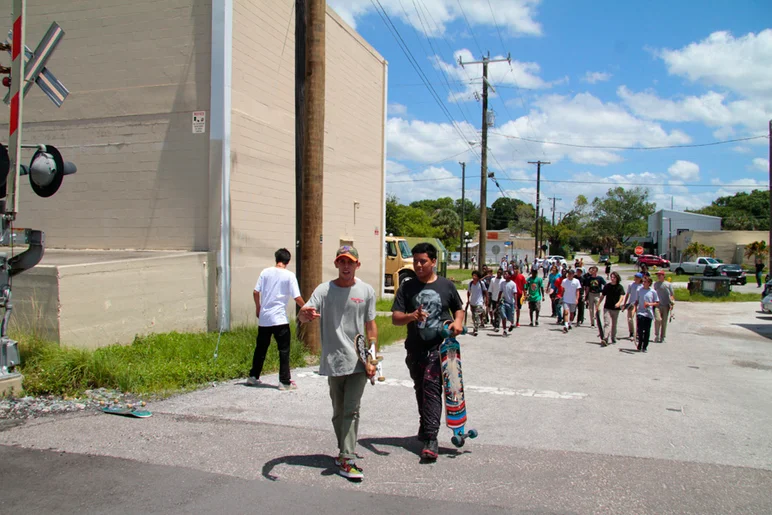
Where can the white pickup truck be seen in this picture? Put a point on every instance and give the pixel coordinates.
(703, 266)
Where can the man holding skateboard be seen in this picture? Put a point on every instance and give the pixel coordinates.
(346, 308)
(424, 305)
(614, 294)
(274, 289)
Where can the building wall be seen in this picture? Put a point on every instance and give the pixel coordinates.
(729, 245)
(665, 225)
(263, 146)
(136, 70)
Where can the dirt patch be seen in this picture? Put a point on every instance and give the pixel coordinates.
(751, 364)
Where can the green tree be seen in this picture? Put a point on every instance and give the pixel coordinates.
(433, 205)
(758, 250)
(525, 219)
(448, 223)
(742, 211)
(622, 213)
(503, 212)
(696, 249)
(471, 211)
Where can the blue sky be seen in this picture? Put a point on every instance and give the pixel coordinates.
(587, 73)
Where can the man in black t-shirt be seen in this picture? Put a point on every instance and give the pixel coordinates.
(614, 294)
(593, 288)
(425, 305)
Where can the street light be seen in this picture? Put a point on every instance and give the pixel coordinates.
(467, 241)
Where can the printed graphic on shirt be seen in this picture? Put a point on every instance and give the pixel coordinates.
(432, 304)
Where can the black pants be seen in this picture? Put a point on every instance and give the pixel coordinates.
(282, 335)
(495, 315)
(425, 371)
(644, 331)
(580, 310)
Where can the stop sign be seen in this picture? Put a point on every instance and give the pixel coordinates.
(638, 250)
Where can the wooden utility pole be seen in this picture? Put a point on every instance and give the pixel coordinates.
(538, 193)
(554, 199)
(481, 254)
(463, 214)
(313, 158)
(300, 127)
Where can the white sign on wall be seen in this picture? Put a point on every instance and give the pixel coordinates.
(199, 122)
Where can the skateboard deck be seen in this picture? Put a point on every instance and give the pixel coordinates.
(599, 321)
(453, 387)
(127, 412)
(367, 355)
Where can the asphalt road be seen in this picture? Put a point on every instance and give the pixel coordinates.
(565, 427)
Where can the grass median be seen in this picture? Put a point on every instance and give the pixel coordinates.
(158, 364)
(682, 295)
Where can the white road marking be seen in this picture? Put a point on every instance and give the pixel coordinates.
(520, 392)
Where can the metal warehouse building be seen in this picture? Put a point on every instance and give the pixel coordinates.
(170, 102)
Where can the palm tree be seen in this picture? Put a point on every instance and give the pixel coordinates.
(757, 249)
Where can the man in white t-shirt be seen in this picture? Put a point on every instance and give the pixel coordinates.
(475, 298)
(275, 287)
(494, 290)
(571, 287)
(506, 299)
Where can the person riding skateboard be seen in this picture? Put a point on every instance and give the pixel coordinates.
(424, 305)
(346, 308)
(274, 288)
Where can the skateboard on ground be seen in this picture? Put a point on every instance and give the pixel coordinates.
(127, 411)
(453, 386)
(367, 355)
(599, 321)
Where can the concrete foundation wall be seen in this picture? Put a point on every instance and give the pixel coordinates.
(729, 245)
(136, 70)
(96, 304)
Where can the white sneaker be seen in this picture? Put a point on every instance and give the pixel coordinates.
(253, 381)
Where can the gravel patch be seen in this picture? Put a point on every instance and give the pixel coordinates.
(34, 407)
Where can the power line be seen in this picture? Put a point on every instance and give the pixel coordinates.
(601, 147)
(470, 27)
(417, 67)
(496, 24)
(603, 183)
(407, 172)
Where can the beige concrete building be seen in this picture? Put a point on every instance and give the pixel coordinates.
(149, 181)
(729, 245)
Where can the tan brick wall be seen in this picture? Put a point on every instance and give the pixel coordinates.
(136, 70)
(263, 145)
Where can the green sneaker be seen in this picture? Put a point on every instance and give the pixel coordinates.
(348, 469)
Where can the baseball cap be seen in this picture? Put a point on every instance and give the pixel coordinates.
(349, 252)
(639, 275)
(660, 272)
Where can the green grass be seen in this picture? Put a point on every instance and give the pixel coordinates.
(614, 259)
(682, 294)
(159, 364)
(384, 304)
(456, 275)
(672, 277)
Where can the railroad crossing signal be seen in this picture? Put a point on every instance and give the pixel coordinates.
(36, 70)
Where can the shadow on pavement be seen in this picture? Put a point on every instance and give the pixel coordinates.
(320, 461)
(409, 443)
(764, 330)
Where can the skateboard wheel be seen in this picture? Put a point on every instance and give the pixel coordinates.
(143, 404)
(381, 378)
(473, 433)
(458, 442)
(130, 406)
(378, 358)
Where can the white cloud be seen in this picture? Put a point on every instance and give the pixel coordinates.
(513, 17)
(743, 64)
(428, 183)
(426, 142)
(684, 171)
(760, 164)
(740, 70)
(397, 109)
(595, 77)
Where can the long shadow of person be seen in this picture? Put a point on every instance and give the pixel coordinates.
(409, 443)
(320, 461)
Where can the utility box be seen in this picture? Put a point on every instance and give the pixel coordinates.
(710, 286)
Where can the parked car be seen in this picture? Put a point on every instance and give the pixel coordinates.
(652, 260)
(704, 265)
(560, 260)
(633, 258)
(766, 304)
(735, 273)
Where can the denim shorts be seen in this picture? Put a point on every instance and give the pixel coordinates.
(507, 311)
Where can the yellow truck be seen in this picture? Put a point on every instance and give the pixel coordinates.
(399, 262)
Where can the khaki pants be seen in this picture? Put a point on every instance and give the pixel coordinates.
(631, 320)
(592, 299)
(610, 318)
(661, 315)
(346, 394)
